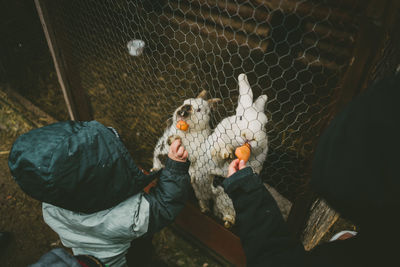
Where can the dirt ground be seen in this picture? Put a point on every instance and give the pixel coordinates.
(19, 214)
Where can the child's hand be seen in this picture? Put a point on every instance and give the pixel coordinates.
(177, 152)
(235, 166)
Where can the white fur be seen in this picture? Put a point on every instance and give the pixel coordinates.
(247, 125)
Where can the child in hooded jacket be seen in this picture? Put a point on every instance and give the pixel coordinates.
(92, 191)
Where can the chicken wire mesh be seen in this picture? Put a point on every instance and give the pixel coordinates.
(293, 52)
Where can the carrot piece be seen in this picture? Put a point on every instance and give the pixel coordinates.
(182, 125)
(243, 152)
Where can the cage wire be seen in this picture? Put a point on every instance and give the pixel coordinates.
(293, 51)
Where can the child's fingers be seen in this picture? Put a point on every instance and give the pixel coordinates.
(233, 167)
(185, 155)
(180, 151)
(242, 164)
(175, 145)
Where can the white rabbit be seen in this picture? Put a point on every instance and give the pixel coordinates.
(196, 113)
(246, 126)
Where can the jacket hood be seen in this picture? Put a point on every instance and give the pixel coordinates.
(79, 166)
(356, 163)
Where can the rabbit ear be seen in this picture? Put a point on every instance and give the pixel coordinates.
(202, 94)
(213, 101)
(260, 102)
(245, 94)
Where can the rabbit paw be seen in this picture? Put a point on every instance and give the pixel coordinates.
(172, 138)
(227, 153)
(222, 155)
(203, 207)
(228, 221)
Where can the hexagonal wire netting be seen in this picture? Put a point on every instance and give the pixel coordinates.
(293, 51)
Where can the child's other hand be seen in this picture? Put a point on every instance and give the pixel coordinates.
(177, 152)
(235, 166)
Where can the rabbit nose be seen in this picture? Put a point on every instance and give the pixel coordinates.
(184, 111)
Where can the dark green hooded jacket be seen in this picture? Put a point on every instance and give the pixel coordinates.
(84, 167)
(92, 190)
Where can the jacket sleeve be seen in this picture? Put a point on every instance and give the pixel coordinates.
(141, 180)
(263, 232)
(169, 196)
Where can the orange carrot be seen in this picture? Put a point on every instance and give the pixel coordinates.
(243, 152)
(182, 125)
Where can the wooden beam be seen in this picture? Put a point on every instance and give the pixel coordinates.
(76, 100)
(52, 47)
(35, 112)
(322, 217)
(212, 234)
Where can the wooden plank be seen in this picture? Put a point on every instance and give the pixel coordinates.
(51, 43)
(211, 234)
(206, 232)
(32, 115)
(225, 35)
(208, 14)
(306, 8)
(322, 217)
(76, 100)
(35, 113)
